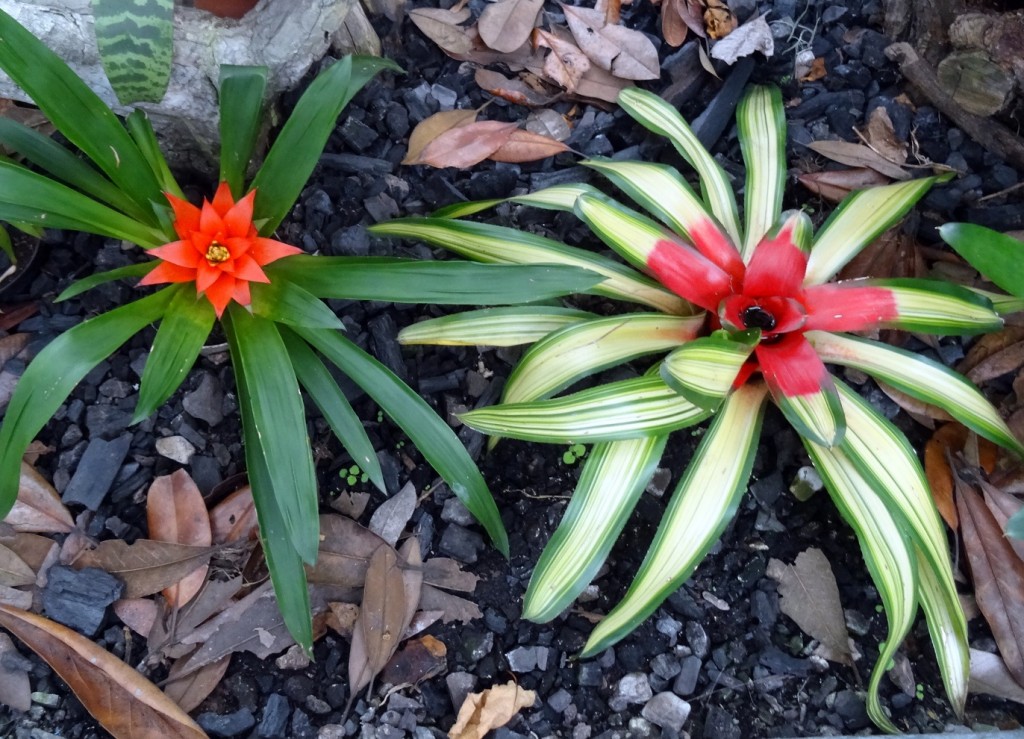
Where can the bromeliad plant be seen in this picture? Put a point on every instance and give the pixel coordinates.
(223, 264)
(744, 314)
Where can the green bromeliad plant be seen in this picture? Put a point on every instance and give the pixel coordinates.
(744, 313)
(219, 262)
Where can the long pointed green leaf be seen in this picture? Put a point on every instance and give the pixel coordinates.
(182, 333)
(279, 423)
(703, 370)
(920, 378)
(567, 355)
(142, 133)
(314, 376)
(860, 219)
(936, 306)
(556, 197)
(703, 503)
(135, 41)
(444, 282)
(76, 111)
(101, 278)
(241, 99)
(611, 412)
(433, 437)
(997, 256)
(484, 242)
(612, 480)
(947, 629)
(283, 301)
(655, 114)
(493, 326)
(761, 120)
(631, 234)
(55, 371)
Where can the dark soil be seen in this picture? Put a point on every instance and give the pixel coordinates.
(720, 643)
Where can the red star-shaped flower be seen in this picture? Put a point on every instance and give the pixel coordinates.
(219, 249)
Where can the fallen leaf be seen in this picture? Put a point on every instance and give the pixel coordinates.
(412, 578)
(138, 614)
(998, 575)
(234, 518)
(124, 702)
(345, 551)
(453, 607)
(816, 71)
(622, 51)
(513, 90)
(673, 28)
(342, 617)
(176, 513)
(940, 476)
(1000, 363)
(598, 84)
(189, 691)
(442, 27)
(433, 126)
(379, 626)
(705, 60)
(147, 566)
(442, 572)
(989, 344)
(466, 145)
(11, 346)
(15, 689)
(348, 503)
(719, 20)
(505, 25)
(810, 596)
(38, 508)
(1003, 507)
(833, 186)
(490, 709)
(38, 552)
(18, 598)
(881, 136)
(215, 598)
(15, 314)
(419, 660)
(527, 146)
(13, 570)
(989, 675)
(902, 674)
(752, 36)
(858, 155)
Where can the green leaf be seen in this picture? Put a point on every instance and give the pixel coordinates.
(142, 133)
(571, 353)
(298, 146)
(283, 301)
(76, 111)
(6, 245)
(284, 562)
(761, 120)
(279, 423)
(627, 409)
(433, 437)
(557, 197)
(484, 242)
(420, 281)
(135, 41)
(948, 632)
(101, 278)
(631, 234)
(314, 376)
(702, 505)
(997, 256)
(703, 370)
(612, 480)
(920, 378)
(493, 326)
(860, 219)
(182, 333)
(938, 307)
(241, 102)
(654, 114)
(55, 371)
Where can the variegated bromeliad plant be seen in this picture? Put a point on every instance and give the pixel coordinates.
(745, 314)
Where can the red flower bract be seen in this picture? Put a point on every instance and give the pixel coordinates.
(219, 249)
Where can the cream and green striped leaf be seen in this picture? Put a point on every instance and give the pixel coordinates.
(935, 306)
(613, 478)
(920, 378)
(484, 242)
(703, 370)
(889, 555)
(556, 197)
(631, 234)
(626, 409)
(948, 631)
(761, 120)
(859, 220)
(569, 354)
(508, 326)
(702, 505)
(653, 113)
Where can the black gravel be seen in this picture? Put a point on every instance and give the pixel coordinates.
(717, 660)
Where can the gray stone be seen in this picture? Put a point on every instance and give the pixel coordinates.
(455, 512)
(460, 684)
(461, 543)
(850, 706)
(659, 482)
(114, 388)
(720, 724)
(640, 728)
(96, 471)
(206, 401)
(590, 674)
(275, 717)
(631, 688)
(667, 710)
(176, 448)
(686, 681)
(665, 666)
(226, 724)
(445, 97)
(559, 700)
(522, 659)
(697, 638)
(105, 421)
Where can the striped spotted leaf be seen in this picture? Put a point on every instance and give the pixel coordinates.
(702, 505)
(493, 326)
(761, 120)
(703, 370)
(611, 481)
(135, 41)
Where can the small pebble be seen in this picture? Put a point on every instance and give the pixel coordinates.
(631, 688)
(176, 448)
(667, 710)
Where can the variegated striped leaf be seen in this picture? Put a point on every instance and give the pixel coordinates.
(631, 234)
(509, 326)
(501, 245)
(938, 307)
(653, 113)
(859, 220)
(567, 355)
(613, 478)
(702, 505)
(703, 370)
(920, 378)
(761, 120)
(617, 410)
(1002, 304)
(556, 197)
(948, 632)
(889, 556)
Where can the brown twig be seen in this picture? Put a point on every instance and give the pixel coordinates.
(990, 134)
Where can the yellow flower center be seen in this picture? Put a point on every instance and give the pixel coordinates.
(217, 253)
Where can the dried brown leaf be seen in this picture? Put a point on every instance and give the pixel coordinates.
(234, 518)
(490, 709)
(442, 572)
(816, 71)
(433, 126)
(381, 620)
(11, 346)
(146, 566)
(505, 25)
(673, 29)
(923, 412)
(15, 689)
(833, 186)
(752, 36)
(881, 135)
(138, 614)
(38, 552)
(858, 155)
(412, 578)
(989, 344)
(1000, 363)
(940, 476)
(718, 19)
(527, 146)
(442, 27)
(176, 513)
(38, 508)
(453, 607)
(622, 51)
(512, 89)
(11, 316)
(342, 617)
(1003, 506)
(597, 84)
(998, 575)
(419, 660)
(466, 145)
(124, 702)
(189, 691)
(345, 551)
(989, 675)
(13, 569)
(810, 596)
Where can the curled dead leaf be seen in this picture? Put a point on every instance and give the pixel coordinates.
(176, 513)
(234, 518)
(419, 660)
(833, 186)
(38, 508)
(514, 90)
(527, 146)
(752, 36)
(622, 51)
(719, 20)
(490, 709)
(442, 27)
(858, 155)
(146, 566)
